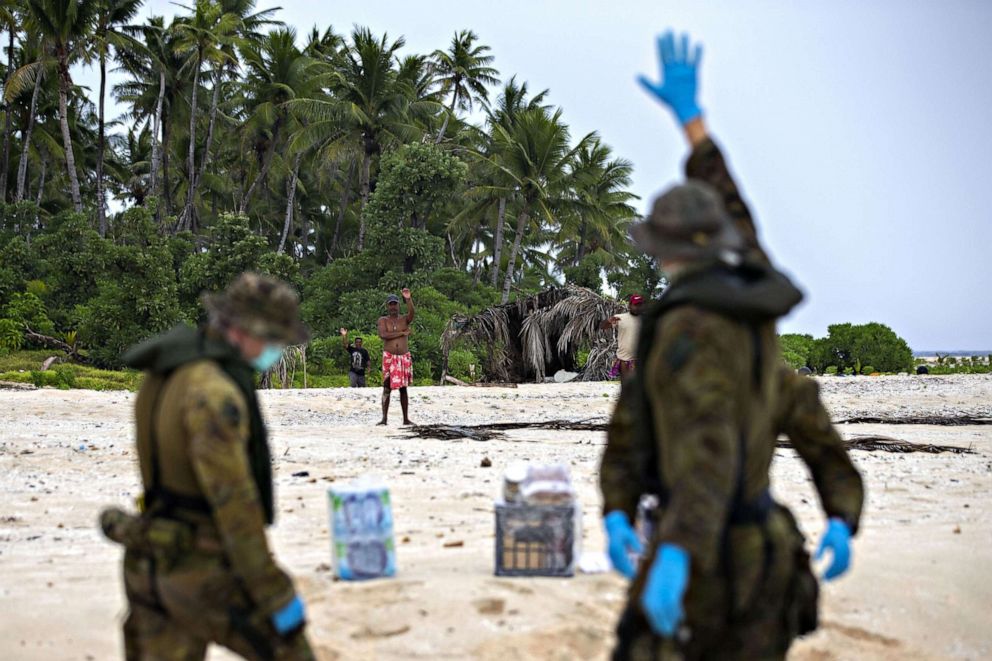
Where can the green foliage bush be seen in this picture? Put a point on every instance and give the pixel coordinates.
(849, 346)
(11, 335)
(796, 349)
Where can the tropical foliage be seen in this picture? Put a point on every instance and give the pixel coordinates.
(342, 162)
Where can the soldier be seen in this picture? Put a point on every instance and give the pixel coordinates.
(197, 566)
(726, 574)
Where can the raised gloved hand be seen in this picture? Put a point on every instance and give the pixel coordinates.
(837, 538)
(677, 88)
(289, 617)
(668, 579)
(621, 542)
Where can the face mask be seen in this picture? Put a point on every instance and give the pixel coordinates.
(270, 356)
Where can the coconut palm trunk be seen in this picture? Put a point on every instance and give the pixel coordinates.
(447, 116)
(498, 242)
(186, 217)
(260, 177)
(342, 209)
(366, 185)
(70, 159)
(8, 122)
(517, 239)
(101, 202)
(210, 129)
(166, 183)
(156, 144)
(288, 222)
(22, 166)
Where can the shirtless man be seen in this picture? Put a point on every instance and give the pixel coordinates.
(397, 365)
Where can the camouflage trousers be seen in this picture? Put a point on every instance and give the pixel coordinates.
(760, 599)
(174, 614)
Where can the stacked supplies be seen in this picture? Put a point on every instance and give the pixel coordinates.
(362, 539)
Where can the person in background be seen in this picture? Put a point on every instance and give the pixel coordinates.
(397, 363)
(628, 325)
(358, 360)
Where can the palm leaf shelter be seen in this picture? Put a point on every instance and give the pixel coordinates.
(538, 335)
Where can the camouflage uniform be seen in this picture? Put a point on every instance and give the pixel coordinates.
(197, 566)
(698, 426)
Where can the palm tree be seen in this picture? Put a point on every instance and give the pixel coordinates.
(201, 37)
(111, 15)
(512, 101)
(154, 84)
(31, 74)
(10, 22)
(370, 105)
(535, 155)
(278, 73)
(600, 209)
(464, 71)
(65, 25)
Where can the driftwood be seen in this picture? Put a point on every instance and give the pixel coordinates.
(494, 431)
(459, 382)
(14, 385)
(942, 421)
(55, 343)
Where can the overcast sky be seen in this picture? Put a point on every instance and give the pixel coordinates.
(859, 131)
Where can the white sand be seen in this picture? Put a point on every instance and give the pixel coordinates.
(921, 585)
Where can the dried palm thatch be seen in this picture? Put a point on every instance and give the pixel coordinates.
(495, 431)
(539, 334)
(940, 420)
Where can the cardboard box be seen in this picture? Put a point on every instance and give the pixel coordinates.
(362, 543)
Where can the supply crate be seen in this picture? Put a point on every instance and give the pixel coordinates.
(537, 540)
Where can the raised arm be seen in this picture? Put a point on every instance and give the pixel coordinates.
(409, 305)
(677, 90)
(344, 337)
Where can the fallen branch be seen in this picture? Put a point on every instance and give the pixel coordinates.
(459, 382)
(55, 343)
(494, 431)
(942, 421)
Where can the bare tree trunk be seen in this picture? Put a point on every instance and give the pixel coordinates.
(289, 203)
(269, 157)
(451, 249)
(342, 207)
(186, 217)
(8, 123)
(447, 116)
(101, 202)
(498, 243)
(521, 226)
(210, 128)
(166, 184)
(41, 188)
(156, 126)
(365, 188)
(22, 167)
(70, 159)
(581, 252)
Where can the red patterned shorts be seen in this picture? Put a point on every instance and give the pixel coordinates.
(397, 371)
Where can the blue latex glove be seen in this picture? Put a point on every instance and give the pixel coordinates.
(677, 88)
(621, 542)
(668, 579)
(837, 538)
(288, 617)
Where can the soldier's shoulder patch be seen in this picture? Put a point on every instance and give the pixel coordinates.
(231, 413)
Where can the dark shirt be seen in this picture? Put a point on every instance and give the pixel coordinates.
(359, 359)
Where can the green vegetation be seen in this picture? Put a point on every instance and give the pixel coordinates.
(849, 349)
(342, 163)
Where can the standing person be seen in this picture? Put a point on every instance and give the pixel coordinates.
(397, 364)
(628, 325)
(358, 359)
(726, 574)
(197, 565)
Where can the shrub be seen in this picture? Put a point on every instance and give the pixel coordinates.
(830, 370)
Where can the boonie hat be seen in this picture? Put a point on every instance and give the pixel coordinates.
(264, 306)
(688, 221)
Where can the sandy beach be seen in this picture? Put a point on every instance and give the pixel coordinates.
(920, 588)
